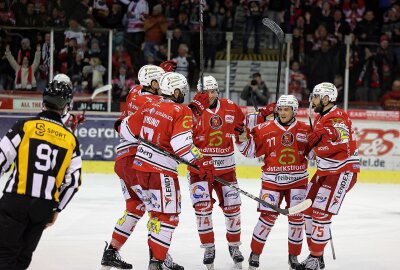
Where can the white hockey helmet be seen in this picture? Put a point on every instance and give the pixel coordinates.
(171, 81)
(60, 77)
(210, 83)
(148, 73)
(288, 101)
(325, 89)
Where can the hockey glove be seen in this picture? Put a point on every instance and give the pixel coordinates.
(168, 66)
(206, 170)
(200, 103)
(77, 119)
(267, 111)
(329, 132)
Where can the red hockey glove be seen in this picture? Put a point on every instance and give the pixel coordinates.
(270, 109)
(206, 170)
(168, 66)
(329, 132)
(77, 119)
(200, 103)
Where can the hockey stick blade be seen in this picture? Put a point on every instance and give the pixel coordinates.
(101, 89)
(290, 211)
(97, 91)
(300, 207)
(274, 28)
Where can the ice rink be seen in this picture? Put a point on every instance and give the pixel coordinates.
(366, 233)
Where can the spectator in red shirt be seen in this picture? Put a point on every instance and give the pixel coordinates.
(391, 100)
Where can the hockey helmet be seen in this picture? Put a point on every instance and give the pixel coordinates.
(148, 73)
(288, 101)
(210, 83)
(171, 81)
(325, 89)
(57, 95)
(63, 78)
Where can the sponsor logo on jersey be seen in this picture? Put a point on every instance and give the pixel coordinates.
(229, 118)
(298, 197)
(40, 129)
(301, 137)
(199, 192)
(145, 153)
(342, 188)
(289, 168)
(323, 148)
(218, 163)
(137, 162)
(164, 115)
(232, 194)
(287, 139)
(167, 201)
(268, 196)
(154, 201)
(320, 198)
(215, 121)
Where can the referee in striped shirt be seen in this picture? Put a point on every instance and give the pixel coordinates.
(45, 177)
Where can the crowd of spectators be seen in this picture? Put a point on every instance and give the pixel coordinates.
(139, 28)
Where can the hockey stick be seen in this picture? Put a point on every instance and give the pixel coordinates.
(332, 247)
(99, 90)
(253, 101)
(281, 36)
(309, 115)
(201, 45)
(290, 211)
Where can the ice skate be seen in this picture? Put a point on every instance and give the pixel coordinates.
(209, 256)
(169, 264)
(236, 256)
(155, 264)
(321, 262)
(310, 263)
(254, 261)
(293, 262)
(111, 258)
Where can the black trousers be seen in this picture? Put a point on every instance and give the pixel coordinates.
(22, 221)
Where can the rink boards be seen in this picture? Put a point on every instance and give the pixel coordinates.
(378, 137)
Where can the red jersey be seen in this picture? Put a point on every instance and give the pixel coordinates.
(283, 147)
(134, 100)
(342, 155)
(213, 134)
(166, 124)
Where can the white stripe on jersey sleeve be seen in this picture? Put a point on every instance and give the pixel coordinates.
(181, 142)
(8, 152)
(247, 148)
(125, 131)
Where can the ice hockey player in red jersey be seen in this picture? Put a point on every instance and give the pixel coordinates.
(147, 91)
(338, 163)
(168, 124)
(213, 135)
(282, 142)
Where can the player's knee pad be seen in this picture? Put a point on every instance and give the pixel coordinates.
(320, 231)
(264, 226)
(135, 207)
(232, 219)
(203, 211)
(295, 229)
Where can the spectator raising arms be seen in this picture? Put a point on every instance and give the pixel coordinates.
(24, 74)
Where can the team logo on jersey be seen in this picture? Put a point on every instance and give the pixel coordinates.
(199, 192)
(215, 121)
(287, 139)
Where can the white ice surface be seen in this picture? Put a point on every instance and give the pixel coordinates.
(366, 234)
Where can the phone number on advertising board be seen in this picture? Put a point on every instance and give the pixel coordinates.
(89, 151)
